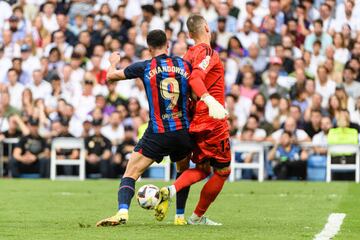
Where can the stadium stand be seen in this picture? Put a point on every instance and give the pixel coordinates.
(290, 66)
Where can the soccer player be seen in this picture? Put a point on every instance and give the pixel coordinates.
(166, 82)
(211, 135)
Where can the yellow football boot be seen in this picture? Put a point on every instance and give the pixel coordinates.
(162, 208)
(179, 221)
(117, 219)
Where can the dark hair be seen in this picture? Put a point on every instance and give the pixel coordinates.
(13, 70)
(319, 21)
(175, 7)
(149, 8)
(156, 38)
(288, 133)
(254, 116)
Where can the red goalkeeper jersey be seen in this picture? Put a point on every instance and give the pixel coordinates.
(207, 65)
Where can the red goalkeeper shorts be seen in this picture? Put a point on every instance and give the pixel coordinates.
(212, 143)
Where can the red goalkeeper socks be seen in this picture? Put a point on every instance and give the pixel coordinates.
(189, 177)
(209, 192)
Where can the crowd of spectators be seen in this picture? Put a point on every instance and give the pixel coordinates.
(292, 73)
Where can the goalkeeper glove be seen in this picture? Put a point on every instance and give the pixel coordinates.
(216, 110)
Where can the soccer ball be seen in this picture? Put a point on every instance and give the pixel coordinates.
(148, 196)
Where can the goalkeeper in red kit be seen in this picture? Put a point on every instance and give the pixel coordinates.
(212, 150)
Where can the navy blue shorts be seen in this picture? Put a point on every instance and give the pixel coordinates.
(177, 145)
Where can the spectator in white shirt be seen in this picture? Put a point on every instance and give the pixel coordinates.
(85, 103)
(349, 16)
(15, 88)
(11, 49)
(114, 131)
(49, 17)
(78, 73)
(5, 64)
(29, 62)
(248, 14)
(342, 54)
(149, 16)
(290, 126)
(352, 87)
(248, 37)
(223, 36)
(39, 87)
(59, 41)
(320, 139)
(208, 11)
(316, 58)
(323, 85)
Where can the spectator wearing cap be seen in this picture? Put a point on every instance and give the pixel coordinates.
(29, 61)
(15, 88)
(272, 86)
(155, 22)
(123, 152)
(351, 86)
(318, 35)
(31, 155)
(288, 159)
(39, 87)
(18, 34)
(98, 152)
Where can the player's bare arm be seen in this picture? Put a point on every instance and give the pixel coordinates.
(114, 74)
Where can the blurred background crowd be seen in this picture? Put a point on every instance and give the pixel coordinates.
(292, 71)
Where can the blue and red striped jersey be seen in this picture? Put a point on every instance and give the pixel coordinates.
(166, 83)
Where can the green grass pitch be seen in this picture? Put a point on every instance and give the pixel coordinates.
(42, 209)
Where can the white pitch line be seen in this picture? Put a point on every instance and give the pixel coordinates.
(332, 226)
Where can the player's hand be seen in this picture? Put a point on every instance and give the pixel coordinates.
(114, 58)
(216, 110)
